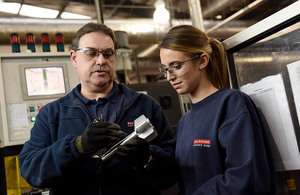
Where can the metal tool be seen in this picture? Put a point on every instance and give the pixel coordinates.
(142, 128)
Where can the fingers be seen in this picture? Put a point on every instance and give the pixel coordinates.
(106, 141)
(108, 132)
(134, 145)
(107, 125)
(105, 128)
(135, 152)
(121, 152)
(107, 137)
(100, 135)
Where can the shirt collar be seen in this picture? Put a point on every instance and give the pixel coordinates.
(111, 97)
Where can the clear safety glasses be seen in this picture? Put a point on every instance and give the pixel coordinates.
(92, 53)
(174, 66)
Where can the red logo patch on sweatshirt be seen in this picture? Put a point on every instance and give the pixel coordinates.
(130, 123)
(201, 142)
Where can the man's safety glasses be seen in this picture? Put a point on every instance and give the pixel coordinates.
(92, 53)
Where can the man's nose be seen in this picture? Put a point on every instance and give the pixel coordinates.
(100, 58)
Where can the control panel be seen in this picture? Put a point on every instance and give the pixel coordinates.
(28, 81)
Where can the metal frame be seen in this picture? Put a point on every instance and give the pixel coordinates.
(264, 28)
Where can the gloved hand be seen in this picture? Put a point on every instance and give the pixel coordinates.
(136, 152)
(97, 136)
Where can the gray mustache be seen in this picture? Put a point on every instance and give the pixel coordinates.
(99, 68)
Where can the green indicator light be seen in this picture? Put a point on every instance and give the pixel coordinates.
(33, 118)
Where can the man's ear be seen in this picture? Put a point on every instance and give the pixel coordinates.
(203, 61)
(73, 58)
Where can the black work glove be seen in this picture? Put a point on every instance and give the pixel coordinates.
(97, 136)
(136, 152)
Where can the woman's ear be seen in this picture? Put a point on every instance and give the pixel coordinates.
(203, 61)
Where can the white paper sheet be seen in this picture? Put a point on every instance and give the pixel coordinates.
(294, 73)
(269, 96)
(18, 128)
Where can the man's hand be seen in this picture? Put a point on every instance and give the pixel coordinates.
(97, 136)
(136, 152)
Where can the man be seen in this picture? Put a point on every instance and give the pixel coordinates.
(59, 154)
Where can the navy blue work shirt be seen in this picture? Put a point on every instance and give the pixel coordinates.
(102, 108)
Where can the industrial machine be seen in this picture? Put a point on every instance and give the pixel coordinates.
(27, 82)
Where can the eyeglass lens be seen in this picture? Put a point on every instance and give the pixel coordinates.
(173, 67)
(92, 53)
(164, 70)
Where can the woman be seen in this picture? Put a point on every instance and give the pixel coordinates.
(221, 147)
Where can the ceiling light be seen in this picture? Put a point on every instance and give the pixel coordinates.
(218, 17)
(38, 12)
(68, 15)
(12, 8)
(161, 14)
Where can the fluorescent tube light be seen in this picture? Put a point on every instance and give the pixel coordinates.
(68, 15)
(38, 12)
(12, 8)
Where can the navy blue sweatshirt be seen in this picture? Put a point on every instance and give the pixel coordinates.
(221, 148)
